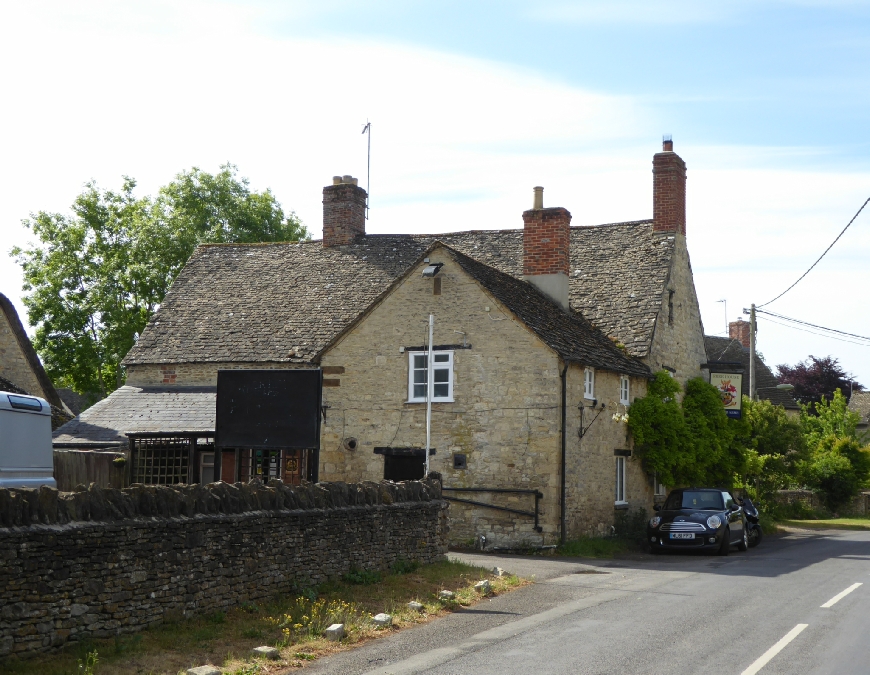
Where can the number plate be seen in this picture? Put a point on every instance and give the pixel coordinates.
(682, 535)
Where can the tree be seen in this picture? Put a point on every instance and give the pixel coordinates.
(815, 379)
(688, 442)
(97, 275)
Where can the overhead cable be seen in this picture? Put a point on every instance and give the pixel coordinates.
(807, 323)
(812, 332)
(820, 257)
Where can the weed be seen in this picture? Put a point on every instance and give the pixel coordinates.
(361, 577)
(248, 669)
(253, 633)
(216, 617)
(304, 618)
(87, 665)
(305, 656)
(402, 566)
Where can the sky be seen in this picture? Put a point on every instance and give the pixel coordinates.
(472, 104)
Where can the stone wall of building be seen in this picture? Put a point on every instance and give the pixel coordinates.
(194, 374)
(678, 340)
(591, 460)
(100, 563)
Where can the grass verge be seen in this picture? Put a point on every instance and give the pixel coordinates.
(828, 524)
(293, 624)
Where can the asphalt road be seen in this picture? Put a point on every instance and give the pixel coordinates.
(759, 611)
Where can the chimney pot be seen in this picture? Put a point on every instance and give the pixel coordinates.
(538, 199)
(336, 180)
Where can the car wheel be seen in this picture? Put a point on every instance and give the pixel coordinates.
(755, 536)
(744, 543)
(725, 547)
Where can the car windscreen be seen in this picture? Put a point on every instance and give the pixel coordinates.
(695, 499)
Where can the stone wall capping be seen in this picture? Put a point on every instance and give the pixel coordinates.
(48, 507)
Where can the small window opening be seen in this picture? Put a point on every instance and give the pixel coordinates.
(399, 467)
(436, 286)
(460, 461)
(670, 308)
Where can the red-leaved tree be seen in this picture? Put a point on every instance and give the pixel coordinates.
(815, 378)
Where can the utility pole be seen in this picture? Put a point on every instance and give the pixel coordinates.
(752, 351)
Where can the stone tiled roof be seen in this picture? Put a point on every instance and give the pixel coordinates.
(285, 302)
(142, 410)
(571, 336)
(860, 403)
(732, 351)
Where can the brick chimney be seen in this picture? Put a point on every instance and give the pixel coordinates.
(546, 249)
(669, 190)
(344, 211)
(739, 330)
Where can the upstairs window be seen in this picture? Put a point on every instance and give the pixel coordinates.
(624, 390)
(442, 380)
(589, 383)
(619, 493)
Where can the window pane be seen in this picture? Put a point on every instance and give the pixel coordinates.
(441, 375)
(419, 377)
(441, 391)
(419, 361)
(441, 358)
(419, 391)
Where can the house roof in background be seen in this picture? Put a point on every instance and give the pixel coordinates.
(142, 410)
(29, 352)
(728, 350)
(286, 302)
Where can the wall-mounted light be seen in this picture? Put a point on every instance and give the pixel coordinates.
(432, 269)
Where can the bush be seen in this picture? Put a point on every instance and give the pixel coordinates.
(361, 577)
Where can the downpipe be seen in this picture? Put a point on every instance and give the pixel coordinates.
(563, 501)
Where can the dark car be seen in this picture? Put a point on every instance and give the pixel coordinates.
(698, 518)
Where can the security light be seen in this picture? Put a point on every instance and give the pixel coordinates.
(433, 269)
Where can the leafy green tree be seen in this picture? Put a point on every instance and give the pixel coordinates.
(838, 469)
(829, 417)
(97, 275)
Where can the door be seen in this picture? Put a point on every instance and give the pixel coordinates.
(735, 519)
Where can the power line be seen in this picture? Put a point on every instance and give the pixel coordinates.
(811, 332)
(820, 257)
(807, 323)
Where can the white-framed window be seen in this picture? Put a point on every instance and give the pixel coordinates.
(589, 383)
(624, 390)
(619, 493)
(659, 488)
(442, 380)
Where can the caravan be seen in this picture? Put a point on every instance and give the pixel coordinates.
(26, 459)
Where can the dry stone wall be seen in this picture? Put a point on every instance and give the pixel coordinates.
(98, 563)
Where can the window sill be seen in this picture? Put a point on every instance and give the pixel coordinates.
(620, 506)
(434, 400)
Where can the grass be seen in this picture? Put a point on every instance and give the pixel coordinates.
(596, 547)
(293, 624)
(828, 523)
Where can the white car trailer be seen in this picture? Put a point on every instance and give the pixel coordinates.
(26, 456)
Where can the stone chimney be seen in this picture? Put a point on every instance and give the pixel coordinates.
(739, 330)
(344, 211)
(669, 190)
(546, 249)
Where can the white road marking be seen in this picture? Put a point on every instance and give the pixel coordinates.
(839, 596)
(773, 651)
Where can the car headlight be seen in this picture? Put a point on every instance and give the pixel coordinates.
(654, 522)
(713, 522)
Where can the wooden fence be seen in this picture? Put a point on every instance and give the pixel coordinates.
(83, 467)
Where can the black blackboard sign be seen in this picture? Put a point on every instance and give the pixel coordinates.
(268, 409)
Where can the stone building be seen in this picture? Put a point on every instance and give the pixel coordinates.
(21, 370)
(542, 338)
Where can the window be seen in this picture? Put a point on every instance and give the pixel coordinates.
(659, 488)
(623, 390)
(442, 380)
(206, 468)
(589, 383)
(670, 308)
(398, 467)
(620, 481)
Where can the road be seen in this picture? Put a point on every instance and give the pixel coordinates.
(799, 603)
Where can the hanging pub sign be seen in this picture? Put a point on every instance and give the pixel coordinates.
(730, 386)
